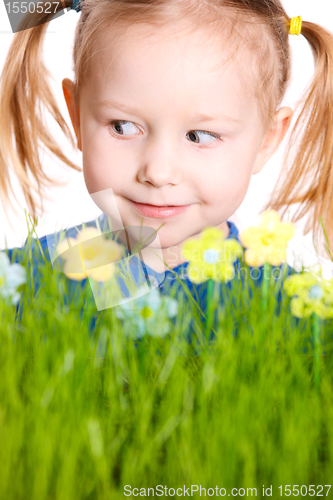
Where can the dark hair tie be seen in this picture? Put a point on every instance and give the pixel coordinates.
(76, 5)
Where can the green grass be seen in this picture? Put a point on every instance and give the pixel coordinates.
(239, 412)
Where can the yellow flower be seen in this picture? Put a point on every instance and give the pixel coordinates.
(311, 294)
(211, 256)
(268, 241)
(90, 254)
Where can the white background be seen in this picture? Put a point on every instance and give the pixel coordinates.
(71, 203)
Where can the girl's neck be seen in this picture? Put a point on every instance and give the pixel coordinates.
(172, 255)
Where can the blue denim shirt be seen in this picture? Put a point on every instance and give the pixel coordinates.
(142, 274)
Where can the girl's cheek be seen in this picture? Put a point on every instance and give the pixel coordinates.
(238, 189)
(94, 169)
(228, 185)
(101, 171)
(90, 178)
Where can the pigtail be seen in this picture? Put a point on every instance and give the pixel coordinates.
(309, 181)
(24, 91)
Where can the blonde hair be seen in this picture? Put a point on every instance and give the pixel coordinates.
(260, 26)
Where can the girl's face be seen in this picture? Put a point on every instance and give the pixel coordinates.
(162, 121)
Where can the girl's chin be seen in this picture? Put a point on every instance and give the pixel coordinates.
(167, 235)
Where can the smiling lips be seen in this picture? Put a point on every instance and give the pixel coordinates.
(159, 212)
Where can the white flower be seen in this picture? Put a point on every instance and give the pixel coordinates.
(11, 277)
(148, 313)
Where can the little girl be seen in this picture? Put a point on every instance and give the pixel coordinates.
(175, 105)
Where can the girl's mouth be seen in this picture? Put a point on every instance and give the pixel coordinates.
(159, 212)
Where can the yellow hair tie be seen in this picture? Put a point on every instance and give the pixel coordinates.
(295, 25)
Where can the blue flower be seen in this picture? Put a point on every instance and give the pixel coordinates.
(11, 277)
(147, 313)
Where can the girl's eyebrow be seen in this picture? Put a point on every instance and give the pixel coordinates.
(199, 117)
(118, 105)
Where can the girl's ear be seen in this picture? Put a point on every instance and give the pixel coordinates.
(273, 138)
(74, 112)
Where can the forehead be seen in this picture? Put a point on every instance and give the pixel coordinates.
(175, 63)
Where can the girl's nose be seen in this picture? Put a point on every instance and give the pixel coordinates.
(160, 164)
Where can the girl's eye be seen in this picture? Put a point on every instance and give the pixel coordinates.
(194, 134)
(120, 127)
